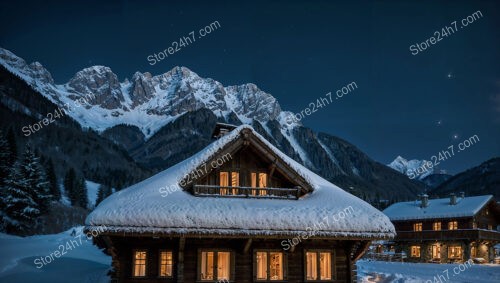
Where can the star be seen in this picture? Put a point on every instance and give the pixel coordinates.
(439, 123)
(450, 75)
(455, 136)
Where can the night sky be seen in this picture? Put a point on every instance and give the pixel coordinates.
(408, 105)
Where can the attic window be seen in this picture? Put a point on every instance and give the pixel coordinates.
(245, 184)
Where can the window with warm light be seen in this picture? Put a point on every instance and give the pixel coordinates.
(224, 183)
(235, 181)
(318, 266)
(258, 180)
(455, 252)
(436, 251)
(228, 180)
(417, 226)
(436, 226)
(166, 264)
(215, 265)
(453, 225)
(269, 266)
(415, 251)
(140, 263)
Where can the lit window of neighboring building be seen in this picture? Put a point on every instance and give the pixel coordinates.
(436, 226)
(453, 225)
(415, 251)
(417, 227)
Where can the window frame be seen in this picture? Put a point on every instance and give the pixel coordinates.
(229, 189)
(452, 225)
(232, 265)
(318, 253)
(134, 251)
(436, 248)
(437, 224)
(159, 264)
(418, 227)
(450, 247)
(257, 173)
(268, 265)
(417, 248)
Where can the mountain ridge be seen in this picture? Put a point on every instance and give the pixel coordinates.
(161, 120)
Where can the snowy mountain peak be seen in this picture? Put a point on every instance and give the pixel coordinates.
(414, 167)
(99, 83)
(146, 101)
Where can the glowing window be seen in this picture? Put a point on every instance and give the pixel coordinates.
(224, 182)
(453, 225)
(235, 181)
(417, 227)
(211, 271)
(436, 251)
(139, 263)
(454, 252)
(269, 266)
(415, 251)
(318, 266)
(436, 226)
(166, 264)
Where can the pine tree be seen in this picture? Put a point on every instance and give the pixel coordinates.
(103, 192)
(5, 166)
(34, 175)
(81, 194)
(11, 138)
(70, 185)
(52, 178)
(20, 209)
(26, 194)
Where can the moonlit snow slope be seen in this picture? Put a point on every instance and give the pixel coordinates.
(181, 212)
(396, 272)
(83, 264)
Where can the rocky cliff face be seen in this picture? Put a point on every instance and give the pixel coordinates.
(160, 120)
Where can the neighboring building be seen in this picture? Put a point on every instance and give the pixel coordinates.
(446, 230)
(238, 211)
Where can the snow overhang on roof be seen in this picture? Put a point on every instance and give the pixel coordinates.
(437, 208)
(328, 211)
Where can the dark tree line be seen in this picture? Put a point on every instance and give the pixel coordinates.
(28, 186)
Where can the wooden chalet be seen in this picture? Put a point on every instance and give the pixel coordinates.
(447, 230)
(238, 211)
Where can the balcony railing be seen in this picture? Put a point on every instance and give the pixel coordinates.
(246, 192)
(448, 235)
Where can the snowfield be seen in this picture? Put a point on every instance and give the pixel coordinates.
(392, 272)
(83, 264)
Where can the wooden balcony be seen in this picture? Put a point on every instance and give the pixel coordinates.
(246, 192)
(442, 235)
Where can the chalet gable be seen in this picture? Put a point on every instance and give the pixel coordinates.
(246, 166)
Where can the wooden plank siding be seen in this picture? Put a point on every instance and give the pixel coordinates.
(243, 262)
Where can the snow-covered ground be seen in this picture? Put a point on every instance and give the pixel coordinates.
(83, 263)
(392, 272)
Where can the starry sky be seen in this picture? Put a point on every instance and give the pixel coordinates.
(408, 105)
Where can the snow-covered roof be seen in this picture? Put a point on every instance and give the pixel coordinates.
(437, 208)
(141, 209)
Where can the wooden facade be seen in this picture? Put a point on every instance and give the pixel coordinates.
(448, 240)
(249, 169)
(186, 263)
